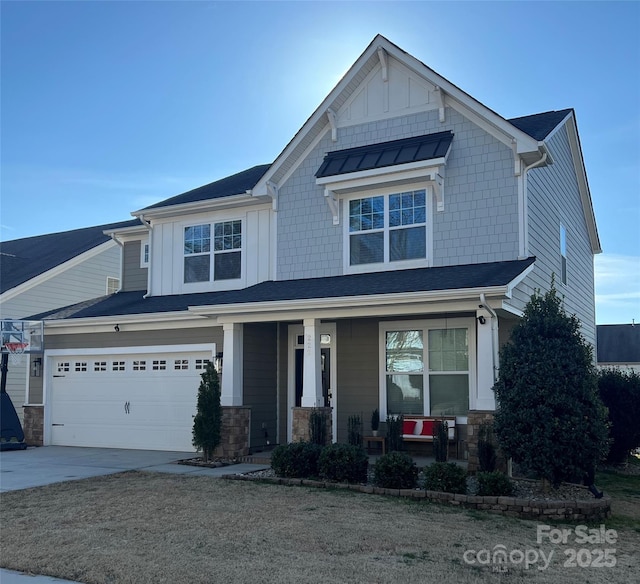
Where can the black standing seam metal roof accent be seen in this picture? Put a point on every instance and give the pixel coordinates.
(385, 154)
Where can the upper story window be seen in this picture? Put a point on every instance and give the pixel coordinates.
(226, 250)
(563, 254)
(388, 228)
(144, 254)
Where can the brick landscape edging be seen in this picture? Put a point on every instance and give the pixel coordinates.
(574, 510)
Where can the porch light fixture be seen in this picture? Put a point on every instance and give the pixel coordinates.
(117, 328)
(217, 363)
(36, 367)
(482, 319)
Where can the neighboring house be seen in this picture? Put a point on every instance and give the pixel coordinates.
(50, 271)
(619, 346)
(379, 262)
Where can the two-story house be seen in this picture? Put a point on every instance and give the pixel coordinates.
(379, 262)
(50, 271)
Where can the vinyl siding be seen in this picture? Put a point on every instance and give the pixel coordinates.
(554, 199)
(479, 222)
(260, 381)
(133, 276)
(81, 282)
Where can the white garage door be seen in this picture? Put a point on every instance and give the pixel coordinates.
(143, 400)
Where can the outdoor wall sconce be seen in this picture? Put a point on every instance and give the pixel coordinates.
(117, 328)
(217, 363)
(482, 319)
(36, 367)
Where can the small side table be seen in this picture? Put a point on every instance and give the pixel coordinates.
(380, 439)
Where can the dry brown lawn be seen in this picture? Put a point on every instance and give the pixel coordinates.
(140, 527)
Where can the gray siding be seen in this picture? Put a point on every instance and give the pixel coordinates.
(260, 381)
(358, 372)
(479, 222)
(133, 276)
(554, 199)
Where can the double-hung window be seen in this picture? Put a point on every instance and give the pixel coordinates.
(388, 228)
(226, 250)
(427, 368)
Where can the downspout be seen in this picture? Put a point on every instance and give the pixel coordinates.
(525, 212)
(494, 334)
(119, 243)
(147, 224)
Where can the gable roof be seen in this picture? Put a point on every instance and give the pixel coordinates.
(441, 279)
(618, 343)
(28, 257)
(539, 126)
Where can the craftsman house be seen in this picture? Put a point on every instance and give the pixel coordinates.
(50, 271)
(379, 262)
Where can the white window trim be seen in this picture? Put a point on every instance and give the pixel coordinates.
(388, 265)
(145, 253)
(212, 284)
(113, 285)
(425, 326)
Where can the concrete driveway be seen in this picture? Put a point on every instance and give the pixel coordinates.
(36, 467)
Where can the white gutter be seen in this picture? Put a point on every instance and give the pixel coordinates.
(147, 224)
(525, 198)
(121, 245)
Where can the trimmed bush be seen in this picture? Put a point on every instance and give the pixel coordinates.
(354, 430)
(394, 433)
(494, 484)
(296, 460)
(318, 427)
(486, 448)
(344, 463)
(441, 441)
(396, 470)
(447, 477)
(207, 422)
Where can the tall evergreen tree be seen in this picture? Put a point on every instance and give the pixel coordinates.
(549, 416)
(208, 419)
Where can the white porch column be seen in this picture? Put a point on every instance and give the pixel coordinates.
(312, 378)
(232, 361)
(487, 360)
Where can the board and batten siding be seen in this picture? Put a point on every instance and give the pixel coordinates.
(480, 218)
(83, 281)
(134, 277)
(260, 379)
(554, 199)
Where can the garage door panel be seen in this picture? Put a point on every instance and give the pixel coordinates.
(145, 401)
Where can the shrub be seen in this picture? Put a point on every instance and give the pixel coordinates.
(318, 427)
(486, 448)
(441, 441)
(354, 425)
(394, 433)
(296, 460)
(549, 419)
(344, 462)
(375, 420)
(396, 470)
(494, 484)
(445, 476)
(208, 419)
(620, 392)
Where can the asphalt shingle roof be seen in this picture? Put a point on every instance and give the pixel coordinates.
(538, 126)
(385, 154)
(236, 184)
(378, 283)
(618, 343)
(24, 259)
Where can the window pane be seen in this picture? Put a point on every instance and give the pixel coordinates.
(196, 269)
(404, 351)
(448, 350)
(227, 266)
(405, 394)
(449, 395)
(366, 214)
(227, 235)
(367, 248)
(197, 239)
(407, 244)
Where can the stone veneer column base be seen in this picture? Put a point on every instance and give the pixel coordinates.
(234, 434)
(301, 431)
(33, 426)
(474, 421)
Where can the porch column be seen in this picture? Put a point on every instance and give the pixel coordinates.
(487, 360)
(231, 390)
(312, 378)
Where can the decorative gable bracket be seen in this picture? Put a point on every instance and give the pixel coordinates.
(334, 207)
(272, 190)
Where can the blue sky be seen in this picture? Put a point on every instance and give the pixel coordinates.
(110, 106)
